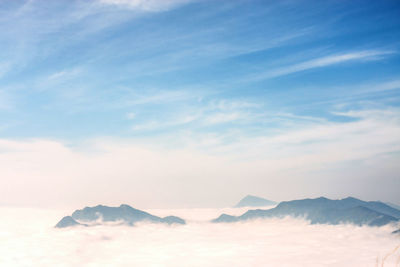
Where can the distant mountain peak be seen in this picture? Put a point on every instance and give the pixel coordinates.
(351, 199)
(67, 221)
(326, 211)
(395, 206)
(254, 201)
(123, 214)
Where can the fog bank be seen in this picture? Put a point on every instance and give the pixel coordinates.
(28, 238)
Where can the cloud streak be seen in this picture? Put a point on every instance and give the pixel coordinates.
(325, 61)
(147, 5)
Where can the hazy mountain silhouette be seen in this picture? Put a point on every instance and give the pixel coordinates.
(325, 211)
(67, 221)
(395, 206)
(253, 201)
(124, 214)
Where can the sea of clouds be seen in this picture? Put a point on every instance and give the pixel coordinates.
(28, 238)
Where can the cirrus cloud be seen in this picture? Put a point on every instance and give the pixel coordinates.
(147, 5)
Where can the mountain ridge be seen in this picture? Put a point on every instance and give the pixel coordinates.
(254, 201)
(124, 214)
(325, 211)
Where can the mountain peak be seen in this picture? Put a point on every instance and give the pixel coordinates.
(125, 206)
(254, 201)
(326, 211)
(67, 221)
(124, 214)
(351, 198)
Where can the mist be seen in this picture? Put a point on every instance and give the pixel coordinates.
(31, 240)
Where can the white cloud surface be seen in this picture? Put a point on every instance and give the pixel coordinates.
(29, 239)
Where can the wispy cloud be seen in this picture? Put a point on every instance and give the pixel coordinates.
(204, 112)
(385, 86)
(147, 5)
(130, 115)
(222, 118)
(6, 101)
(200, 161)
(57, 80)
(156, 125)
(120, 67)
(158, 97)
(64, 74)
(4, 68)
(325, 61)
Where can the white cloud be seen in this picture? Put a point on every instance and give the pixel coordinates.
(6, 101)
(130, 115)
(157, 125)
(4, 68)
(386, 86)
(205, 113)
(228, 105)
(324, 62)
(28, 238)
(64, 75)
(151, 125)
(179, 167)
(222, 117)
(299, 117)
(147, 5)
(158, 97)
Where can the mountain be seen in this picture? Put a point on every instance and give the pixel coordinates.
(253, 201)
(124, 214)
(395, 206)
(67, 221)
(325, 211)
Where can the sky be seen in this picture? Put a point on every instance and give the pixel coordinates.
(181, 103)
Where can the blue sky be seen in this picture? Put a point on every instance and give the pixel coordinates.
(219, 77)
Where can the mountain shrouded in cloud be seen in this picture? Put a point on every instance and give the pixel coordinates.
(184, 106)
(316, 211)
(124, 214)
(325, 211)
(254, 201)
(67, 221)
(31, 240)
(395, 206)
